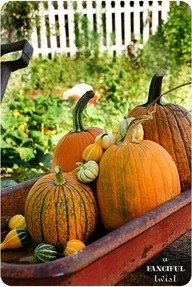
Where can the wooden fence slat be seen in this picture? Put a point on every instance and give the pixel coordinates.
(127, 26)
(136, 20)
(154, 16)
(52, 26)
(165, 9)
(108, 13)
(118, 28)
(146, 21)
(99, 22)
(61, 22)
(43, 32)
(90, 12)
(71, 30)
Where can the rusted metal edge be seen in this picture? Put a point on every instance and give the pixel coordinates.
(14, 197)
(99, 248)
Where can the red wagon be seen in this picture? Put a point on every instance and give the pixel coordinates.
(110, 256)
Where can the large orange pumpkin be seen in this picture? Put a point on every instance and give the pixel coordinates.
(70, 147)
(133, 179)
(171, 128)
(59, 208)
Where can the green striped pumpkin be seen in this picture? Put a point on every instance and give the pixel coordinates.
(59, 208)
(45, 252)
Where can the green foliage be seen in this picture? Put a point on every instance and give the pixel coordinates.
(18, 18)
(170, 47)
(30, 125)
(86, 39)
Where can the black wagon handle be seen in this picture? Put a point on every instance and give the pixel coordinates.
(10, 66)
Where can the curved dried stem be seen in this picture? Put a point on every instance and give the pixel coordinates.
(137, 121)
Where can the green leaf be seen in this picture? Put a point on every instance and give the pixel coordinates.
(26, 153)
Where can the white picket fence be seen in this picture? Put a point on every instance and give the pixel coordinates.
(116, 22)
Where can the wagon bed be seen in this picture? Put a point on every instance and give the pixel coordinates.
(109, 257)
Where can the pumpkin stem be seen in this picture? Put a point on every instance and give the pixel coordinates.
(155, 90)
(155, 87)
(59, 179)
(103, 135)
(78, 111)
(129, 136)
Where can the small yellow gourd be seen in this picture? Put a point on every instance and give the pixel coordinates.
(17, 221)
(107, 139)
(93, 152)
(87, 172)
(16, 238)
(73, 246)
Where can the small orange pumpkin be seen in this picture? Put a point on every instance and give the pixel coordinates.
(70, 147)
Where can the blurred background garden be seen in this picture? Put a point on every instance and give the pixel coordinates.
(35, 115)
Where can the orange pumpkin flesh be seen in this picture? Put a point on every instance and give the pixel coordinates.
(59, 208)
(171, 128)
(133, 179)
(70, 148)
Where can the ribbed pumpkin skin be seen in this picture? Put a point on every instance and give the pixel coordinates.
(56, 214)
(70, 148)
(171, 128)
(133, 179)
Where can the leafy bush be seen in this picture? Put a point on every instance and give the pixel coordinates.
(18, 18)
(170, 47)
(29, 125)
